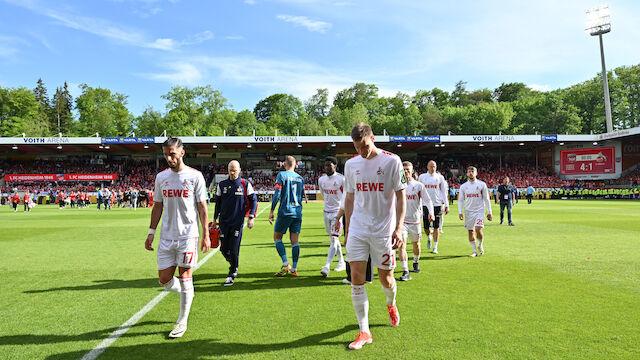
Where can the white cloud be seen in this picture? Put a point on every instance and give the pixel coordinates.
(9, 46)
(311, 25)
(109, 30)
(181, 73)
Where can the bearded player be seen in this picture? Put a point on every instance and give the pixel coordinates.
(180, 192)
(417, 198)
(331, 186)
(375, 206)
(437, 188)
(474, 194)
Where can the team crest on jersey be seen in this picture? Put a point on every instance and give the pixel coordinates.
(380, 171)
(357, 171)
(403, 179)
(187, 182)
(224, 190)
(335, 183)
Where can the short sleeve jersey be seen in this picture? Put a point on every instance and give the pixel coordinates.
(180, 192)
(291, 186)
(475, 195)
(417, 196)
(331, 188)
(436, 187)
(374, 183)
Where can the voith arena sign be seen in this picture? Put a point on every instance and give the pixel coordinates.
(46, 140)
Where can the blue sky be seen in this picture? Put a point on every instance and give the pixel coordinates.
(250, 49)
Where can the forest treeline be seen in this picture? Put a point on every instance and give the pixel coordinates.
(511, 108)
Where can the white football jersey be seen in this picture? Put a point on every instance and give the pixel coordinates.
(475, 196)
(331, 188)
(417, 197)
(179, 193)
(436, 187)
(374, 183)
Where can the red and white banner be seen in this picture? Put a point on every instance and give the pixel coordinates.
(599, 160)
(60, 177)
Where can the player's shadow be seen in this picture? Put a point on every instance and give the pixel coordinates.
(104, 284)
(442, 257)
(262, 281)
(206, 349)
(303, 244)
(28, 339)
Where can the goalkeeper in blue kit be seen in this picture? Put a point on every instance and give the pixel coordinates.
(289, 190)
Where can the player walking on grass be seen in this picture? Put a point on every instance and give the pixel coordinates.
(288, 191)
(437, 188)
(417, 198)
(375, 206)
(331, 186)
(474, 197)
(180, 192)
(235, 200)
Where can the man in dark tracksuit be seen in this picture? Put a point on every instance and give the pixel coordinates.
(235, 199)
(506, 195)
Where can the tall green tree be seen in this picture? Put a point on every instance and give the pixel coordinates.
(317, 106)
(625, 97)
(508, 92)
(283, 112)
(104, 112)
(20, 113)
(365, 94)
(61, 107)
(198, 108)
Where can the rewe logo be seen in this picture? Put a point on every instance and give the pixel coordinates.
(370, 186)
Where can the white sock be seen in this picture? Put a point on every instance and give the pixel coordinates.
(391, 294)
(186, 298)
(416, 258)
(173, 285)
(361, 306)
(332, 251)
(430, 237)
(405, 265)
(340, 256)
(473, 245)
(435, 245)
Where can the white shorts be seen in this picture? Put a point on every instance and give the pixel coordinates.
(473, 220)
(380, 249)
(181, 253)
(413, 232)
(329, 221)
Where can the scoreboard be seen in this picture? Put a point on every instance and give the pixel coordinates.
(596, 161)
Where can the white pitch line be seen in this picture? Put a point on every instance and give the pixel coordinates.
(96, 351)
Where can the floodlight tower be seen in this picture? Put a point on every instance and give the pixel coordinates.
(598, 23)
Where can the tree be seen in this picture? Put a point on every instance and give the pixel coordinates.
(365, 94)
(198, 108)
(149, 123)
(460, 95)
(587, 97)
(283, 112)
(20, 113)
(318, 105)
(344, 120)
(61, 116)
(103, 112)
(625, 97)
(544, 114)
(511, 92)
(246, 123)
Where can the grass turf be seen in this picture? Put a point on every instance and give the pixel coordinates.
(563, 283)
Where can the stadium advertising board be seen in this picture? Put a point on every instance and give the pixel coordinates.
(489, 138)
(548, 137)
(598, 160)
(127, 140)
(61, 177)
(52, 140)
(415, 138)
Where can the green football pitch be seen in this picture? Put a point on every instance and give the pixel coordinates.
(563, 283)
